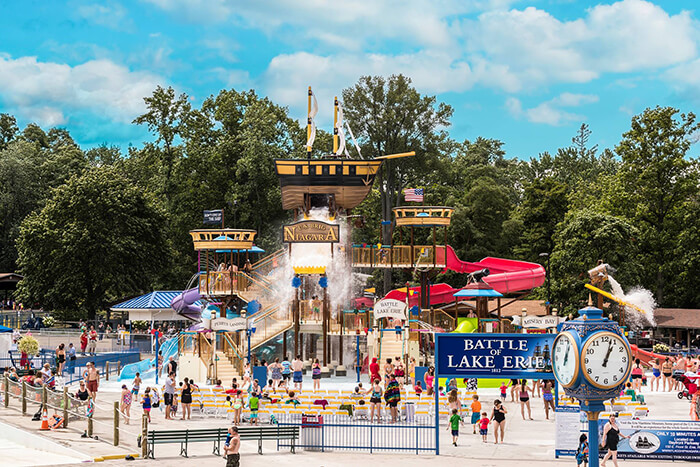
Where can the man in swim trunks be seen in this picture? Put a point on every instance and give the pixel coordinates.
(93, 380)
(297, 375)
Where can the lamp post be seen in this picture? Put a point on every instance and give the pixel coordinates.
(549, 290)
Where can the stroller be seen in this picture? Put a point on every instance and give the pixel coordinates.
(690, 384)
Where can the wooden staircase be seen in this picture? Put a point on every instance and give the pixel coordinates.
(390, 347)
(226, 369)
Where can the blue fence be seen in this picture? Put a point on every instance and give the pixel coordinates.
(344, 434)
(75, 372)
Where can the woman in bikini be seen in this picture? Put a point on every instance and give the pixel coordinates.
(667, 372)
(547, 397)
(388, 370)
(525, 399)
(375, 400)
(655, 374)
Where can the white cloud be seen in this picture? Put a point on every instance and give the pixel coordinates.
(685, 80)
(537, 48)
(109, 14)
(48, 92)
(551, 112)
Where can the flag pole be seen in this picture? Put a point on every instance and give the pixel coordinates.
(335, 125)
(308, 123)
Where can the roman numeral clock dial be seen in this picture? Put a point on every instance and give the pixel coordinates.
(606, 360)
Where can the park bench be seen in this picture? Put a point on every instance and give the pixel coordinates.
(217, 435)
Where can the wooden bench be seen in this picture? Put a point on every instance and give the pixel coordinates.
(216, 435)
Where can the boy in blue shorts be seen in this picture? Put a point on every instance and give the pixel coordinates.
(253, 404)
(455, 420)
(484, 425)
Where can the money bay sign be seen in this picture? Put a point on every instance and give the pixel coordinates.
(311, 232)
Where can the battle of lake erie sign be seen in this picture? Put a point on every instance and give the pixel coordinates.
(494, 355)
(311, 232)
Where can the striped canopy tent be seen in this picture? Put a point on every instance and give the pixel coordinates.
(153, 306)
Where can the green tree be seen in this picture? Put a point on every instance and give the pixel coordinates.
(8, 129)
(98, 238)
(389, 116)
(544, 205)
(166, 115)
(654, 186)
(583, 238)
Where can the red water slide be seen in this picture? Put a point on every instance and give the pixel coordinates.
(506, 275)
(645, 356)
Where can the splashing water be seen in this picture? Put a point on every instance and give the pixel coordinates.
(639, 297)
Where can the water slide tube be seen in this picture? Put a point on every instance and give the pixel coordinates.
(507, 275)
(439, 294)
(467, 325)
(646, 357)
(183, 304)
(147, 367)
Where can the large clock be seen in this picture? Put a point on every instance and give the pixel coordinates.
(565, 357)
(606, 360)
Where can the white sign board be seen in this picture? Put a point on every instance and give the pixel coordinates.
(390, 308)
(223, 324)
(537, 322)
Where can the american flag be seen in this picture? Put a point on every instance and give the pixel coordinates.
(413, 194)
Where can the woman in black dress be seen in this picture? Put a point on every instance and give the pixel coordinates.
(186, 400)
(611, 435)
(498, 416)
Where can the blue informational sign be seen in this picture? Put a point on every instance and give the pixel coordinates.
(657, 439)
(512, 356)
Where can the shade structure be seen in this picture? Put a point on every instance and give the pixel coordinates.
(478, 289)
(255, 249)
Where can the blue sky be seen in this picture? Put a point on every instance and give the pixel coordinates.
(526, 72)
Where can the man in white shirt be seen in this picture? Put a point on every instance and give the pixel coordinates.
(169, 394)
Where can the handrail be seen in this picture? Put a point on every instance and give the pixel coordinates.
(268, 259)
(232, 345)
(449, 317)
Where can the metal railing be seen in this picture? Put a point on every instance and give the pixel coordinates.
(267, 264)
(270, 324)
(398, 256)
(342, 433)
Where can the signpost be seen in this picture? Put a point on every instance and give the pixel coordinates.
(213, 217)
(487, 355)
(224, 324)
(311, 232)
(390, 308)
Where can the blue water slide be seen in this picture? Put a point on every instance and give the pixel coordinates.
(147, 367)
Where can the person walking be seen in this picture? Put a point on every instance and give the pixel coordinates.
(375, 400)
(286, 371)
(453, 401)
(388, 370)
(373, 370)
(392, 396)
(525, 399)
(298, 375)
(233, 458)
(169, 394)
(83, 342)
(276, 373)
(186, 400)
(146, 403)
(136, 384)
(655, 374)
(316, 375)
(637, 374)
(125, 404)
(667, 372)
(476, 411)
(455, 420)
(92, 341)
(70, 355)
(498, 416)
(547, 396)
(93, 380)
(611, 437)
(582, 450)
(484, 426)
(60, 358)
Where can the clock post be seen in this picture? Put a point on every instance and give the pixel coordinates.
(592, 360)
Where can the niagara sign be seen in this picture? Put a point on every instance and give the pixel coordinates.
(511, 356)
(311, 232)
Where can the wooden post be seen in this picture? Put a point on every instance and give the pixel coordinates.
(107, 370)
(89, 420)
(498, 305)
(65, 406)
(144, 436)
(119, 365)
(116, 423)
(7, 391)
(44, 396)
(24, 398)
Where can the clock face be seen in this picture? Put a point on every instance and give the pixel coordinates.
(607, 360)
(565, 358)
